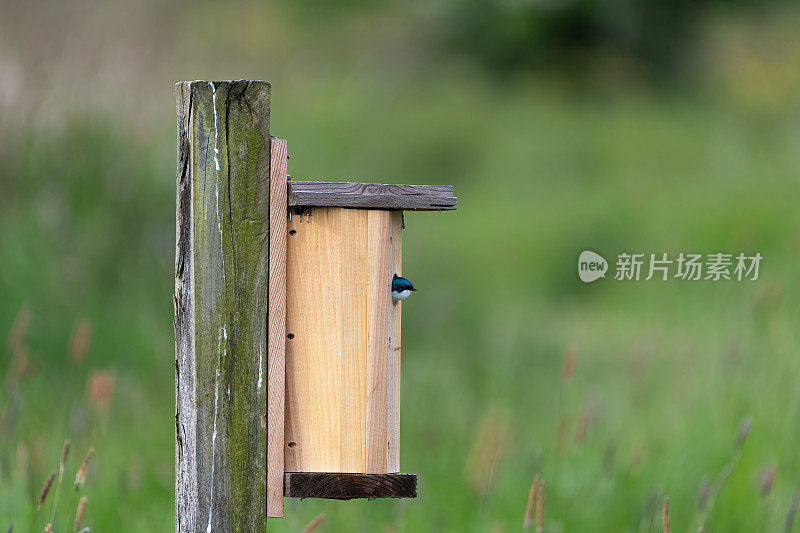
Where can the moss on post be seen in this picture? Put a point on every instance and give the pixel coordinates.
(221, 305)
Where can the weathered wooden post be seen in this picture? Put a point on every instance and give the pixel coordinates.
(221, 266)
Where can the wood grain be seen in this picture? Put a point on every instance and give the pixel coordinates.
(276, 338)
(393, 387)
(371, 196)
(349, 486)
(221, 268)
(313, 354)
(379, 296)
(355, 355)
(339, 268)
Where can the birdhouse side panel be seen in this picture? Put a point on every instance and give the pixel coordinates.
(379, 282)
(393, 431)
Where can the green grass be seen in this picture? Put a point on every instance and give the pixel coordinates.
(665, 370)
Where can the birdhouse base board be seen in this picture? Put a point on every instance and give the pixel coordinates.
(341, 486)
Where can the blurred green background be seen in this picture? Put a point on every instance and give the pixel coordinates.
(622, 126)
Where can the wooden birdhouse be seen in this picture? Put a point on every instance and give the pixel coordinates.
(342, 357)
(287, 340)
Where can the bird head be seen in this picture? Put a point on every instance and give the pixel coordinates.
(401, 288)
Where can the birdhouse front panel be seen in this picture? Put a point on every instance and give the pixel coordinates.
(343, 341)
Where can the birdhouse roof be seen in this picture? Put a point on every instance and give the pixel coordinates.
(371, 195)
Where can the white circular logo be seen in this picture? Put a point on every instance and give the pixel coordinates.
(591, 266)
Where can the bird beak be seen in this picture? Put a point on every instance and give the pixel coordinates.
(413, 289)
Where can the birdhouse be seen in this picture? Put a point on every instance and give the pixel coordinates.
(340, 407)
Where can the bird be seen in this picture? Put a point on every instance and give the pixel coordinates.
(401, 288)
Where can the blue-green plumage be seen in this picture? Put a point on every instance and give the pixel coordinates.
(401, 288)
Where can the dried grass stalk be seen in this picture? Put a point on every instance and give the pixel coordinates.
(580, 427)
(490, 441)
(790, 516)
(61, 466)
(568, 370)
(80, 477)
(529, 510)
(744, 431)
(81, 341)
(65, 454)
(100, 389)
(79, 513)
(19, 327)
(540, 508)
(46, 488)
(314, 523)
(561, 443)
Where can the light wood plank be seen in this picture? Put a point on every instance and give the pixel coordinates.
(355, 268)
(313, 355)
(393, 414)
(379, 279)
(276, 360)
